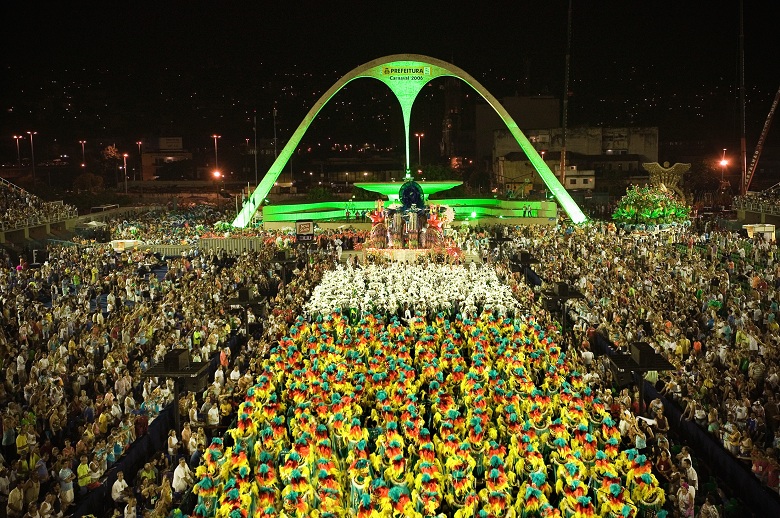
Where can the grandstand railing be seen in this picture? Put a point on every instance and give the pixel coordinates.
(757, 206)
(66, 213)
(13, 186)
(168, 250)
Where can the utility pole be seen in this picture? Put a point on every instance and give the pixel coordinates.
(742, 143)
(18, 153)
(216, 155)
(32, 152)
(255, 150)
(566, 97)
(419, 140)
(275, 131)
(83, 157)
(124, 156)
(140, 162)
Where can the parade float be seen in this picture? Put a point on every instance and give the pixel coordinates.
(408, 228)
(651, 208)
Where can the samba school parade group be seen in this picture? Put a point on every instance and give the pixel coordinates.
(478, 413)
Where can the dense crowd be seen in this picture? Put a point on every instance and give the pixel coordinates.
(188, 225)
(183, 226)
(20, 208)
(371, 414)
(708, 302)
(437, 288)
(769, 198)
(78, 332)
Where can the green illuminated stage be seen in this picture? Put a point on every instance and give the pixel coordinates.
(465, 208)
(406, 75)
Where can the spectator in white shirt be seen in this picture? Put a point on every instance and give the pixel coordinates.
(118, 490)
(130, 508)
(690, 473)
(219, 375)
(212, 418)
(587, 357)
(130, 404)
(182, 476)
(5, 483)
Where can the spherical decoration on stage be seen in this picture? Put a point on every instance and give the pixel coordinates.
(411, 194)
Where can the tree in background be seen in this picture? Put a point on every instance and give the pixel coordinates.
(110, 159)
(703, 178)
(319, 193)
(88, 182)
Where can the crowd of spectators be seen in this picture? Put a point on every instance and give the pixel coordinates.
(76, 335)
(20, 208)
(186, 226)
(768, 199)
(708, 302)
(183, 226)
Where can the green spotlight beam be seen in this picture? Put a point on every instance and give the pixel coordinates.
(406, 75)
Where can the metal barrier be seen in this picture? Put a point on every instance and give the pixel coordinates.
(232, 244)
(168, 250)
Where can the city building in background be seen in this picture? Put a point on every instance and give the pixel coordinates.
(591, 151)
(168, 150)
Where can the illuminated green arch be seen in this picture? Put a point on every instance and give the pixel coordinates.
(405, 75)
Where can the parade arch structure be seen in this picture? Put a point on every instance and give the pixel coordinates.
(406, 75)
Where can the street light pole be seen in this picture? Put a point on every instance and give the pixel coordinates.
(419, 138)
(254, 151)
(18, 153)
(246, 167)
(216, 155)
(140, 162)
(217, 176)
(125, 169)
(83, 159)
(723, 164)
(275, 130)
(32, 150)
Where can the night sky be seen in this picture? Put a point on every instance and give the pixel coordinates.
(143, 68)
